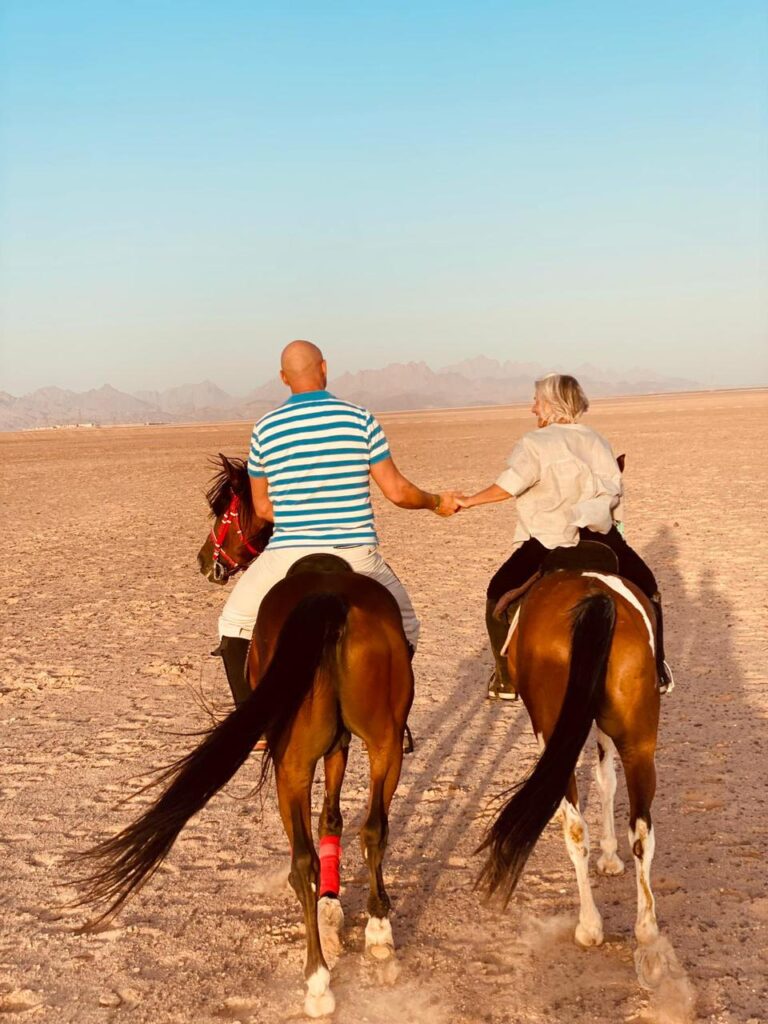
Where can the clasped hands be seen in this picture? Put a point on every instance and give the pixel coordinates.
(450, 503)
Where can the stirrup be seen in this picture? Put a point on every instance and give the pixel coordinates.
(496, 692)
(408, 747)
(666, 679)
(493, 693)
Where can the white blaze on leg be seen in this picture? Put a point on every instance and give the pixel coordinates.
(319, 1000)
(589, 930)
(643, 843)
(605, 776)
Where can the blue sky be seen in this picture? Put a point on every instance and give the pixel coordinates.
(186, 186)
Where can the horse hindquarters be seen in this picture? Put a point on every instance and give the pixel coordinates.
(523, 818)
(376, 693)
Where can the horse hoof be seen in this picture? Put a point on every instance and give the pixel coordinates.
(330, 923)
(387, 971)
(379, 942)
(586, 937)
(650, 966)
(320, 1006)
(319, 1000)
(610, 864)
(656, 964)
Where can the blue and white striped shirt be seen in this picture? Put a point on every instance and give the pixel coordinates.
(316, 452)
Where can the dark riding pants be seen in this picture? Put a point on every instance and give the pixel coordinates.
(529, 556)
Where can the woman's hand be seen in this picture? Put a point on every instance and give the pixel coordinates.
(488, 496)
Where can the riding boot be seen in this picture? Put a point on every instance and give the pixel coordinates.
(666, 679)
(500, 684)
(234, 654)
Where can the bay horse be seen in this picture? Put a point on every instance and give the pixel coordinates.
(332, 660)
(238, 535)
(582, 649)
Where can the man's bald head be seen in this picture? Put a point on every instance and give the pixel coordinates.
(302, 367)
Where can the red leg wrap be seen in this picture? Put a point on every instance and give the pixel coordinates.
(330, 856)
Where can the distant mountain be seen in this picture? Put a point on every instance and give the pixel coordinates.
(49, 407)
(271, 392)
(479, 381)
(483, 368)
(188, 398)
(399, 386)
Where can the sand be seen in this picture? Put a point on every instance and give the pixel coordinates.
(107, 629)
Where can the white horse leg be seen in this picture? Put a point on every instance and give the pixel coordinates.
(643, 843)
(589, 930)
(319, 1000)
(608, 863)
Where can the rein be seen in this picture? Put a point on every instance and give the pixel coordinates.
(230, 518)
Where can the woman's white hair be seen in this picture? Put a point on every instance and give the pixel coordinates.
(561, 398)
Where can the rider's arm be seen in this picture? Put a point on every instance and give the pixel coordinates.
(401, 492)
(262, 506)
(521, 473)
(490, 494)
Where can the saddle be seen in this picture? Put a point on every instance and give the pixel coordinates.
(319, 563)
(587, 555)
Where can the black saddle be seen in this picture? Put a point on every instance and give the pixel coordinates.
(319, 563)
(588, 555)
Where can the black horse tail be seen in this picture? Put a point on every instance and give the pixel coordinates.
(513, 835)
(128, 859)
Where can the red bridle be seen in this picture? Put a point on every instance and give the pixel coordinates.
(230, 518)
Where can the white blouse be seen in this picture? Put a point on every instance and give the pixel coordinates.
(564, 476)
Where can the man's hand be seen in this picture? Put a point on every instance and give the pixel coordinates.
(448, 504)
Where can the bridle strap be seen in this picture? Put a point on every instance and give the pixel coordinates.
(231, 517)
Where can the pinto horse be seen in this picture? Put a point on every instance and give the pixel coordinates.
(333, 661)
(582, 649)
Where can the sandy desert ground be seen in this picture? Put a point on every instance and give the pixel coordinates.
(107, 629)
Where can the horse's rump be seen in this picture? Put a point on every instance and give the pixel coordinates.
(542, 648)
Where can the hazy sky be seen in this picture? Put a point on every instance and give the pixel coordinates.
(188, 185)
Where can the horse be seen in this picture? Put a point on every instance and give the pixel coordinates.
(332, 661)
(582, 647)
(237, 535)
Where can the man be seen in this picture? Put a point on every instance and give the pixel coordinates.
(310, 465)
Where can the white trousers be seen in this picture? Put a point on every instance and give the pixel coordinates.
(239, 614)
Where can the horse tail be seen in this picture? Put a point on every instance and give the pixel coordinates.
(513, 835)
(130, 858)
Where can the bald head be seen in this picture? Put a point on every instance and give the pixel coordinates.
(302, 367)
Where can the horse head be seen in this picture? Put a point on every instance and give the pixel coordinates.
(237, 535)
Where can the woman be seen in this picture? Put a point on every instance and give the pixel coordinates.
(568, 487)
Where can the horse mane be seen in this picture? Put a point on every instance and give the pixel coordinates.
(221, 489)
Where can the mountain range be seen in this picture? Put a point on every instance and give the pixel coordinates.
(399, 386)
